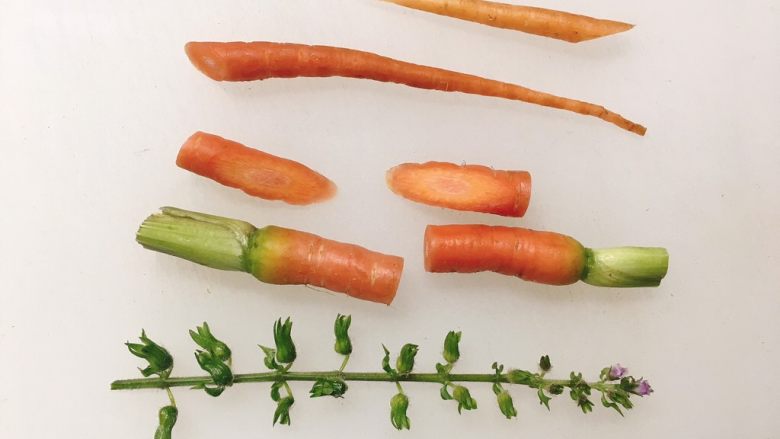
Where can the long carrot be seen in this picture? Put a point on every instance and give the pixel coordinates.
(544, 257)
(255, 172)
(273, 254)
(472, 188)
(538, 21)
(242, 61)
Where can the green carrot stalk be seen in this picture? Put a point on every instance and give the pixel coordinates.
(273, 254)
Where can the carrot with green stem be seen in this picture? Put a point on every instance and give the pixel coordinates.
(255, 172)
(538, 21)
(250, 61)
(543, 257)
(472, 188)
(273, 254)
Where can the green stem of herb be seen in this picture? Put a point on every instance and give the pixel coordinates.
(344, 363)
(170, 396)
(398, 386)
(267, 377)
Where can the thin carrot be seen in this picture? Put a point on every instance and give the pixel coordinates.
(472, 188)
(273, 254)
(242, 61)
(255, 172)
(544, 257)
(538, 21)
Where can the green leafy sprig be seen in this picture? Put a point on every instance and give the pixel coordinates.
(214, 357)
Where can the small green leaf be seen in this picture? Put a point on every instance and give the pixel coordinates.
(343, 344)
(443, 370)
(405, 361)
(285, 348)
(270, 358)
(334, 387)
(544, 363)
(544, 399)
(451, 349)
(386, 363)
(609, 404)
(445, 394)
(275, 390)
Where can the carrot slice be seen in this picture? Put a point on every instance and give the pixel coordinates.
(241, 61)
(255, 172)
(560, 25)
(544, 257)
(472, 188)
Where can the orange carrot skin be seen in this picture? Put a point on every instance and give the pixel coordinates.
(538, 21)
(284, 256)
(472, 188)
(543, 257)
(249, 61)
(255, 172)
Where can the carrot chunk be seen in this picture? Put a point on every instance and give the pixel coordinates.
(544, 257)
(286, 256)
(255, 172)
(472, 188)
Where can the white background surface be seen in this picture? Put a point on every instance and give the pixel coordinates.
(96, 97)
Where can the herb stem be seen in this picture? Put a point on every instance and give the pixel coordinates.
(266, 377)
(344, 363)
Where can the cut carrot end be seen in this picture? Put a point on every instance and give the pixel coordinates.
(255, 172)
(472, 188)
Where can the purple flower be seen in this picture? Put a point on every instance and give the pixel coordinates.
(642, 388)
(617, 371)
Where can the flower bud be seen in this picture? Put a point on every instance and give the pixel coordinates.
(451, 349)
(405, 361)
(167, 419)
(398, 406)
(506, 405)
(205, 339)
(556, 389)
(219, 371)
(334, 387)
(642, 388)
(343, 344)
(616, 371)
(285, 348)
(282, 413)
(545, 364)
(465, 401)
(160, 361)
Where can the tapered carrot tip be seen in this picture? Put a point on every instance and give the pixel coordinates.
(255, 172)
(472, 188)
